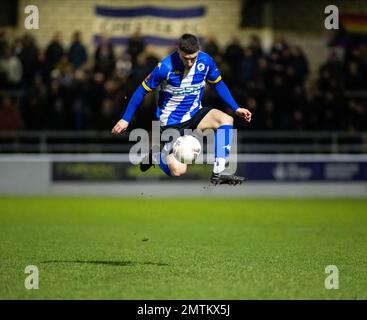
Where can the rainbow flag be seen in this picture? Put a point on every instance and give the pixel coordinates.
(354, 23)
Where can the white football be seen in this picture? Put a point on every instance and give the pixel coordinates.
(186, 149)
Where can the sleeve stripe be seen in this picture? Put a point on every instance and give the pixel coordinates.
(146, 87)
(216, 80)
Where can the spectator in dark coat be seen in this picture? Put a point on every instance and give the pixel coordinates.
(135, 47)
(104, 57)
(54, 51)
(28, 53)
(211, 46)
(77, 53)
(233, 56)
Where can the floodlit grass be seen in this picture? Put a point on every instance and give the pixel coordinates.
(108, 248)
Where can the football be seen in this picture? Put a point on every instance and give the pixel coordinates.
(186, 149)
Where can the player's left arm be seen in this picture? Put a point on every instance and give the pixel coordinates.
(215, 79)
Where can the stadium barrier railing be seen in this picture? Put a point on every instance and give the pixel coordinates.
(248, 142)
(311, 175)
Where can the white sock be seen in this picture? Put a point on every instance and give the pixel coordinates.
(219, 165)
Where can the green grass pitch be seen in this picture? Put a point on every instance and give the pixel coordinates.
(109, 248)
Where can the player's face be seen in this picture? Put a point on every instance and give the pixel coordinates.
(188, 59)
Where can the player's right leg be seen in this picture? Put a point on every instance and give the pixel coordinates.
(167, 162)
(170, 165)
(176, 168)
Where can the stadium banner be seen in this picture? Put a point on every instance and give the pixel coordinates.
(157, 25)
(276, 171)
(114, 171)
(305, 171)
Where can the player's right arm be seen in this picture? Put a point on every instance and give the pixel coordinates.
(150, 82)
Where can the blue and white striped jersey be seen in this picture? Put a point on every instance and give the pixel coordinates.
(180, 91)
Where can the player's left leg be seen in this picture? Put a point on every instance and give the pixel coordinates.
(223, 124)
(214, 119)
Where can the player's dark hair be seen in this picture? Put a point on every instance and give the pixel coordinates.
(188, 43)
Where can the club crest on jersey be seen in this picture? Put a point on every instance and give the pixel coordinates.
(201, 66)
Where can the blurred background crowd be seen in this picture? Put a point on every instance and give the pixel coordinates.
(61, 87)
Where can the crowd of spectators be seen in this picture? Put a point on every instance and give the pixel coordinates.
(63, 88)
